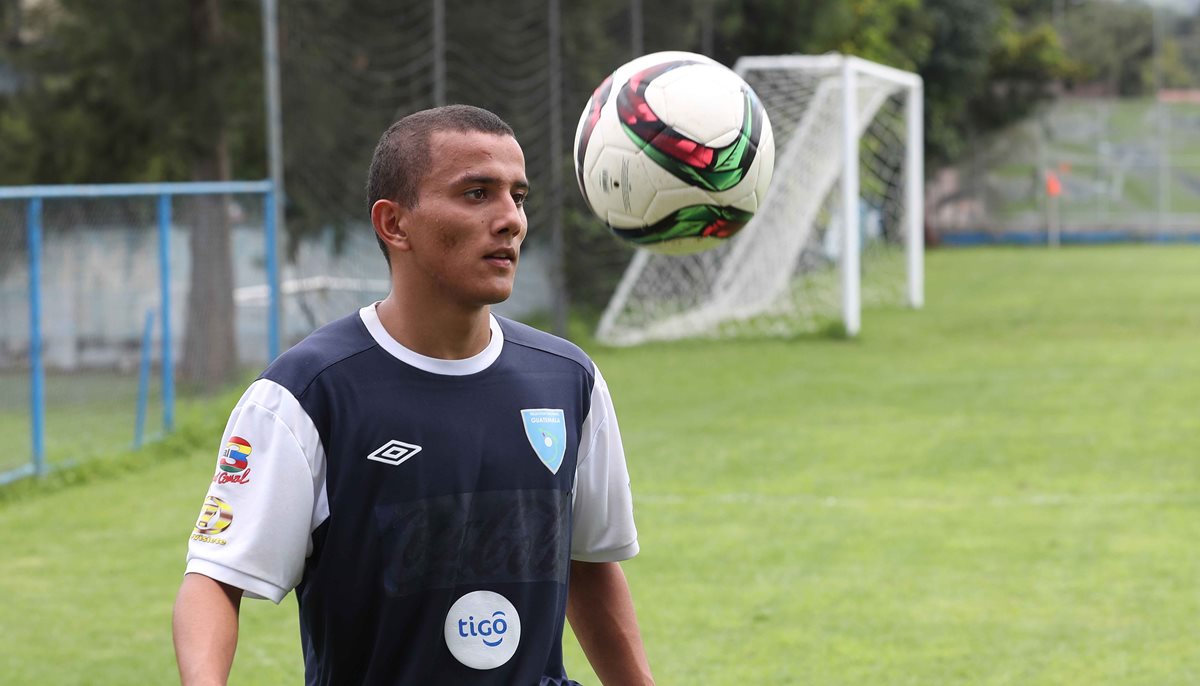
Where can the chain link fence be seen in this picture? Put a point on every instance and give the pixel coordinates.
(1086, 169)
(113, 298)
(15, 388)
(533, 62)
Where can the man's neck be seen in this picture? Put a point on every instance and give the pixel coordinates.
(441, 334)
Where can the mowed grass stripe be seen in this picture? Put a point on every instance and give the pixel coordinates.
(998, 489)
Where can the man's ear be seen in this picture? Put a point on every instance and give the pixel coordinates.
(389, 219)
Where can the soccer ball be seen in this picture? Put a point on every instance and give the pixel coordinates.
(674, 152)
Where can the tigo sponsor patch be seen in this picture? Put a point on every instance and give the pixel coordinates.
(482, 630)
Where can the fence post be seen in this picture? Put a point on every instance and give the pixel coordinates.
(164, 275)
(558, 274)
(439, 52)
(139, 426)
(637, 41)
(272, 264)
(37, 371)
(273, 214)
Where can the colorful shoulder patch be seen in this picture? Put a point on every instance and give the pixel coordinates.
(236, 455)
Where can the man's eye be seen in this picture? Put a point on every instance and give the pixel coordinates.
(520, 199)
(477, 194)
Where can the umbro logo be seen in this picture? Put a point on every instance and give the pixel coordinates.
(394, 452)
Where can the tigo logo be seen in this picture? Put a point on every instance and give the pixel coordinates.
(483, 630)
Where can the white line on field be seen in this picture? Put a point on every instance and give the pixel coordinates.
(830, 501)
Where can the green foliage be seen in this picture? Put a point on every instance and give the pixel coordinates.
(985, 64)
(989, 65)
(1024, 63)
(127, 91)
(1187, 38)
(1113, 45)
(955, 71)
(1111, 41)
(1169, 68)
(894, 32)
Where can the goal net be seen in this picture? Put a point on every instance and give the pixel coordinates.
(847, 145)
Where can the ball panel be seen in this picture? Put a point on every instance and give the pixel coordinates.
(619, 181)
(747, 203)
(715, 169)
(668, 201)
(680, 152)
(713, 90)
(758, 176)
(694, 221)
(617, 221)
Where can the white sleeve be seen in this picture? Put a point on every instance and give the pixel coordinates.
(603, 503)
(266, 498)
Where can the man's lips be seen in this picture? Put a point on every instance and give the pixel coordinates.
(502, 257)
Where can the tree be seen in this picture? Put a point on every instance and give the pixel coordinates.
(1111, 41)
(10, 22)
(1025, 64)
(1169, 68)
(210, 342)
(146, 90)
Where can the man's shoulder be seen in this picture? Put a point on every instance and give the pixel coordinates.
(534, 339)
(302, 363)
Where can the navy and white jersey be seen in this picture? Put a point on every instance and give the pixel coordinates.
(424, 510)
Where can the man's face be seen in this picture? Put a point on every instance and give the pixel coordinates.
(466, 230)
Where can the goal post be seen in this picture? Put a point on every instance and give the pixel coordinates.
(848, 136)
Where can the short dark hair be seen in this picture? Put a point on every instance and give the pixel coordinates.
(402, 156)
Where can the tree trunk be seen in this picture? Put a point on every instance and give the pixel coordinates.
(10, 15)
(210, 344)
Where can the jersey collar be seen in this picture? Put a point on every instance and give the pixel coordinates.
(472, 365)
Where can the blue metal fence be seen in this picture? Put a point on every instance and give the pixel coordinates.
(35, 197)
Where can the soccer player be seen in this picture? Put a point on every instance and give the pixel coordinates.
(426, 476)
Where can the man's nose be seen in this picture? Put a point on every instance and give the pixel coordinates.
(512, 219)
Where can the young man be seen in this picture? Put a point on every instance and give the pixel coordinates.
(426, 475)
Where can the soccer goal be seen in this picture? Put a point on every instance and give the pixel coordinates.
(848, 153)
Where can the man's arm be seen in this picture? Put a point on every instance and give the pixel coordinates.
(600, 609)
(205, 624)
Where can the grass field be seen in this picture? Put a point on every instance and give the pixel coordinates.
(1001, 488)
(88, 414)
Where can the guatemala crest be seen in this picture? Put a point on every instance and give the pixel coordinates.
(547, 433)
